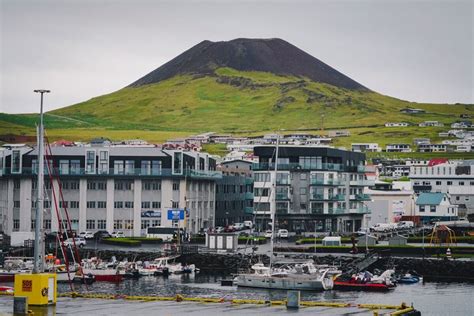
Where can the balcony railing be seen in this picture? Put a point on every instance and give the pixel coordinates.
(248, 181)
(133, 172)
(281, 211)
(248, 195)
(360, 210)
(284, 181)
(248, 210)
(262, 166)
(362, 197)
(282, 196)
(321, 197)
(328, 182)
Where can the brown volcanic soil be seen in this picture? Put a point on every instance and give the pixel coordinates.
(270, 55)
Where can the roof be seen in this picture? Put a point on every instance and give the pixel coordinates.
(337, 238)
(436, 161)
(430, 198)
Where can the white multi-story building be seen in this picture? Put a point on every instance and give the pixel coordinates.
(316, 188)
(396, 124)
(432, 148)
(109, 188)
(400, 148)
(366, 147)
(455, 178)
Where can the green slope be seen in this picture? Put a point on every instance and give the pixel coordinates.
(237, 102)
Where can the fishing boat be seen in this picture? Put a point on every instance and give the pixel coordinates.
(14, 265)
(273, 277)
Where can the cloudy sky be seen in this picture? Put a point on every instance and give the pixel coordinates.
(414, 50)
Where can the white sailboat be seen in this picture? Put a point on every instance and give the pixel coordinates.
(298, 277)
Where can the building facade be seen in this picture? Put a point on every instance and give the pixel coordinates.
(314, 189)
(435, 207)
(125, 188)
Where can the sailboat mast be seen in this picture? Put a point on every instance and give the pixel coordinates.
(38, 250)
(273, 209)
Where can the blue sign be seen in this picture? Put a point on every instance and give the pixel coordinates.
(176, 215)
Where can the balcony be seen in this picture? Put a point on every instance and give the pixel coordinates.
(320, 197)
(362, 197)
(362, 183)
(134, 172)
(282, 196)
(248, 181)
(281, 211)
(296, 166)
(360, 210)
(248, 195)
(248, 210)
(284, 181)
(337, 210)
(327, 182)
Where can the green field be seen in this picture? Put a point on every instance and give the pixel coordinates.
(243, 103)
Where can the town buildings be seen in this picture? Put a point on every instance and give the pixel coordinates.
(316, 188)
(125, 188)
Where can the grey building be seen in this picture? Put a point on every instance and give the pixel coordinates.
(127, 188)
(315, 188)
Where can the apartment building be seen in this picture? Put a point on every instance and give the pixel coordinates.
(314, 189)
(399, 148)
(366, 147)
(432, 148)
(455, 178)
(126, 188)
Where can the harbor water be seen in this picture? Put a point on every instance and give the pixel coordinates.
(429, 298)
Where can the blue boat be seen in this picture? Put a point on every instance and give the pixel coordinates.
(408, 279)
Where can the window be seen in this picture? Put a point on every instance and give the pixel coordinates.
(16, 225)
(177, 162)
(129, 167)
(74, 204)
(303, 176)
(123, 185)
(118, 167)
(90, 224)
(262, 177)
(74, 185)
(64, 167)
(65, 185)
(90, 204)
(101, 185)
(146, 204)
(303, 206)
(63, 204)
(16, 204)
(262, 191)
(432, 208)
(91, 185)
(438, 182)
(47, 224)
(317, 207)
(421, 208)
(129, 204)
(90, 161)
(145, 224)
(75, 167)
(103, 162)
(175, 205)
(146, 167)
(16, 184)
(101, 224)
(156, 204)
(47, 204)
(33, 224)
(302, 191)
(16, 163)
(101, 204)
(118, 224)
(128, 224)
(450, 182)
(156, 167)
(175, 186)
(156, 222)
(461, 182)
(118, 204)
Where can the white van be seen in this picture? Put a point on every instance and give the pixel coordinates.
(248, 224)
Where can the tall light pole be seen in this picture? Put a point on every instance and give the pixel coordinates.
(38, 251)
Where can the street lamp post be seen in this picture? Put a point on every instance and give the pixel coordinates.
(38, 250)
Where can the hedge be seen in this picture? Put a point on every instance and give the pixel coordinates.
(460, 239)
(256, 240)
(122, 242)
(410, 250)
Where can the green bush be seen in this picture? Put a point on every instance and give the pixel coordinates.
(256, 240)
(460, 239)
(145, 240)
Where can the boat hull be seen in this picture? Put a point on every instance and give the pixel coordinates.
(283, 283)
(371, 287)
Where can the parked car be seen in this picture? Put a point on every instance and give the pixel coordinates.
(80, 242)
(248, 224)
(86, 235)
(229, 229)
(100, 234)
(282, 233)
(406, 224)
(219, 229)
(268, 234)
(118, 234)
(244, 234)
(239, 226)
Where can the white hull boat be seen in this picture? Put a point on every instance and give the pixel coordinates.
(289, 282)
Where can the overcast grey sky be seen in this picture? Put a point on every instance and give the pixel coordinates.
(414, 50)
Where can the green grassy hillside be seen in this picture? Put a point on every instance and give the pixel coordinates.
(238, 102)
